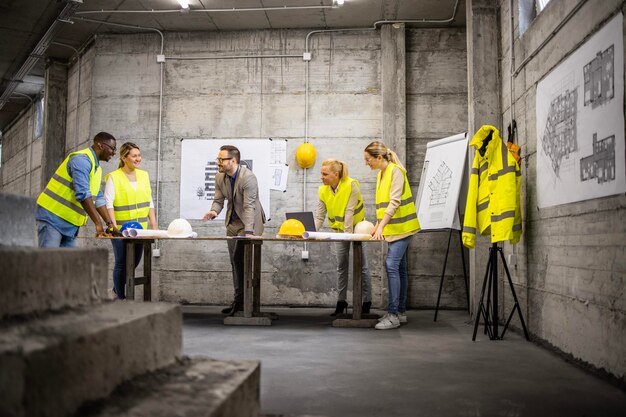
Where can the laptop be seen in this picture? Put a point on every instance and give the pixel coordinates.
(306, 217)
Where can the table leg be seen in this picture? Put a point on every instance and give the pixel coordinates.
(252, 285)
(147, 271)
(129, 246)
(357, 319)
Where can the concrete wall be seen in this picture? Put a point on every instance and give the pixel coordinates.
(436, 108)
(20, 172)
(256, 98)
(571, 268)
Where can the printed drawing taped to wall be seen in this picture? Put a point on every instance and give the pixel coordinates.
(580, 122)
(198, 169)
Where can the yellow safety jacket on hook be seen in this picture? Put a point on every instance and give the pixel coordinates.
(493, 197)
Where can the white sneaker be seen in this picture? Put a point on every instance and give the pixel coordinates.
(391, 321)
(383, 317)
(402, 317)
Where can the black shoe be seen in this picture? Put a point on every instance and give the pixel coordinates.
(366, 307)
(341, 307)
(233, 308)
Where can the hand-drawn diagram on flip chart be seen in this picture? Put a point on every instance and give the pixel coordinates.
(279, 176)
(580, 122)
(440, 184)
(198, 169)
(279, 151)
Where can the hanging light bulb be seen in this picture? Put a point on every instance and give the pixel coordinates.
(338, 2)
(184, 4)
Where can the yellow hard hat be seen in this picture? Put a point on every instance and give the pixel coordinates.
(305, 155)
(291, 228)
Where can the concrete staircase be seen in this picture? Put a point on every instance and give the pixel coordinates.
(65, 350)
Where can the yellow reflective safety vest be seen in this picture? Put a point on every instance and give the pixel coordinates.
(59, 197)
(493, 197)
(404, 219)
(130, 204)
(336, 203)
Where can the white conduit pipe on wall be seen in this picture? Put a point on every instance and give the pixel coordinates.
(158, 167)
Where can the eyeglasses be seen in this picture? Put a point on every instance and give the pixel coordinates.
(111, 148)
(220, 160)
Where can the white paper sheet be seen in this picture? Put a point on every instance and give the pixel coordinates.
(279, 177)
(333, 235)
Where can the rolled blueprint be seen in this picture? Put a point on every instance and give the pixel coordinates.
(337, 236)
(144, 233)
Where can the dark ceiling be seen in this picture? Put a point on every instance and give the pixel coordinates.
(23, 24)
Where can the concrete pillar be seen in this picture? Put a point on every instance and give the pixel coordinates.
(483, 102)
(55, 111)
(393, 81)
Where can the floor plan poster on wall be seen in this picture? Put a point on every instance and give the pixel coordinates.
(580, 122)
(198, 169)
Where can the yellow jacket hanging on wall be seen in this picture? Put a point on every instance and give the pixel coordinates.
(336, 203)
(493, 197)
(131, 204)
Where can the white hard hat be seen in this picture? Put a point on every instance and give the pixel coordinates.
(179, 228)
(364, 227)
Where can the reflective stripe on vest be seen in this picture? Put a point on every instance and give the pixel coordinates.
(59, 196)
(130, 204)
(404, 219)
(336, 203)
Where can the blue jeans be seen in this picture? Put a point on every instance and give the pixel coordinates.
(119, 270)
(397, 275)
(49, 237)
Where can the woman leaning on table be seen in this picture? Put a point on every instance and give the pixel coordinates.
(128, 198)
(340, 198)
(396, 223)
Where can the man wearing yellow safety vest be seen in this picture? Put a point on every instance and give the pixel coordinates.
(397, 223)
(340, 197)
(73, 194)
(493, 197)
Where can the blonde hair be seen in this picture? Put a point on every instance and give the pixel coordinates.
(377, 149)
(125, 150)
(338, 167)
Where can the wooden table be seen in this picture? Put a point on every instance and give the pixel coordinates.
(251, 314)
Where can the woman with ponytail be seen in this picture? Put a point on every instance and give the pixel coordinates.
(128, 198)
(396, 223)
(340, 198)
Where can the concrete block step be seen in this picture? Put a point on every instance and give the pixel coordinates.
(51, 365)
(198, 387)
(17, 227)
(37, 280)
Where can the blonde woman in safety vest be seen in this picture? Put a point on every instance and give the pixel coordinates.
(340, 198)
(396, 223)
(128, 198)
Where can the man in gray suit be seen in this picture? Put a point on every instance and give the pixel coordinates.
(244, 216)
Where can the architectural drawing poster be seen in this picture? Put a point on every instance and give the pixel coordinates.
(580, 122)
(440, 184)
(198, 169)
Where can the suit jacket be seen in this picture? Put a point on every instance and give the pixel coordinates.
(247, 204)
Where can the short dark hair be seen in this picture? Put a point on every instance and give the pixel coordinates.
(233, 152)
(103, 137)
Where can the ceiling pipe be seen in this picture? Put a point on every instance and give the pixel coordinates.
(38, 52)
(222, 10)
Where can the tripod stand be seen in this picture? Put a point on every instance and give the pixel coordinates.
(489, 311)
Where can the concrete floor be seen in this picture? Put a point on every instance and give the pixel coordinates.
(422, 369)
